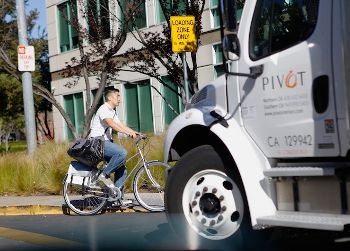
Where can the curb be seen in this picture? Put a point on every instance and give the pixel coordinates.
(56, 210)
(30, 210)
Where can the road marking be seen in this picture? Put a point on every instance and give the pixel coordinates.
(37, 239)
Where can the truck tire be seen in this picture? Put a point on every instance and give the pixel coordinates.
(204, 200)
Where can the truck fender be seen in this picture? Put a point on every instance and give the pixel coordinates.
(248, 158)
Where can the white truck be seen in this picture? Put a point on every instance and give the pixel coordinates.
(268, 143)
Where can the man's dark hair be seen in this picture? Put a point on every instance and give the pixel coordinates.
(109, 91)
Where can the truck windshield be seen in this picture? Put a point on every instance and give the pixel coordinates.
(279, 24)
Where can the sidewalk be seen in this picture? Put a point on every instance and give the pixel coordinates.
(42, 205)
(10, 201)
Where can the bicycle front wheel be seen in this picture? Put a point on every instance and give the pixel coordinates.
(149, 185)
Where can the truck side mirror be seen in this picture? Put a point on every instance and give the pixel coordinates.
(230, 43)
(230, 47)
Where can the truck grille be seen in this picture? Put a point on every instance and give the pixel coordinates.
(199, 96)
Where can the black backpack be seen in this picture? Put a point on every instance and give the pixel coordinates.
(88, 151)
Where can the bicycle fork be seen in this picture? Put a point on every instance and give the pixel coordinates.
(154, 183)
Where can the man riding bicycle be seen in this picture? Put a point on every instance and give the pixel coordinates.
(104, 122)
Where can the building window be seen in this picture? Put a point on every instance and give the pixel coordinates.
(173, 99)
(138, 106)
(74, 107)
(140, 14)
(68, 37)
(98, 19)
(219, 68)
(181, 8)
(278, 25)
(214, 12)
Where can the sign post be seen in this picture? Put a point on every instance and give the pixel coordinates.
(25, 65)
(183, 39)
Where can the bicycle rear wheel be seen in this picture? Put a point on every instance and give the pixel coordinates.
(83, 199)
(149, 189)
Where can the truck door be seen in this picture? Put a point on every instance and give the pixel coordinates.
(289, 111)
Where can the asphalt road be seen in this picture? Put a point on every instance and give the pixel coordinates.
(137, 231)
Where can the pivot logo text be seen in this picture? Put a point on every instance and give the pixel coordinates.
(290, 80)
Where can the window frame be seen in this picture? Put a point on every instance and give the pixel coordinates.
(119, 14)
(215, 63)
(98, 9)
(75, 121)
(158, 13)
(212, 18)
(180, 107)
(70, 33)
(136, 83)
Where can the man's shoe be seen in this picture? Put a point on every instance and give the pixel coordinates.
(106, 180)
(94, 177)
(126, 203)
(122, 204)
(114, 192)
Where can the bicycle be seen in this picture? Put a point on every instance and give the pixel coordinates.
(86, 195)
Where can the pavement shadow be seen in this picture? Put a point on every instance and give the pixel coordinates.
(164, 238)
(108, 209)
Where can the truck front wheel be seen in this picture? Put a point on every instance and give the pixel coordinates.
(203, 197)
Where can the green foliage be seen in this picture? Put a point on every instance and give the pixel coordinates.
(11, 105)
(15, 146)
(11, 90)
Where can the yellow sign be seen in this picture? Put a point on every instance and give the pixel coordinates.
(183, 35)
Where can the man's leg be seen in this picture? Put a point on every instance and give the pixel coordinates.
(120, 176)
(115, 155)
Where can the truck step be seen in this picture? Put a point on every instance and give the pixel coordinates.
(335, 222)
(299, 171)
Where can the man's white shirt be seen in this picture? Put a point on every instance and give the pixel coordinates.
(98, 126)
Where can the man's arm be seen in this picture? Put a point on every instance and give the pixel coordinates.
(120, 127)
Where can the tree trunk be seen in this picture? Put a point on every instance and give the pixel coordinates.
(7, 147)
(98, 96)
(48, 133)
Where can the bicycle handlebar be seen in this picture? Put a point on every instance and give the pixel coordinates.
(141, 136)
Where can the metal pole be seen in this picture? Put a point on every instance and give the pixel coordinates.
(185, 76)
(26, 82)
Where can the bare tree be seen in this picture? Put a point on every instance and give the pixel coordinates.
(98, 41)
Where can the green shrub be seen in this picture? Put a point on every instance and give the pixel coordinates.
(43, 172)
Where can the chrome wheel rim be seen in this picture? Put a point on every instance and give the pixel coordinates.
(213, 204)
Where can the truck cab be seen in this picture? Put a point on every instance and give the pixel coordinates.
(267, 143)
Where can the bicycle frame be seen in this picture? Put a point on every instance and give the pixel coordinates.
(142, 158)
